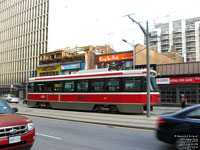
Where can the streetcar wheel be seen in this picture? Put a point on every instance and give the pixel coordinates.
(113, 109)
(98, 108)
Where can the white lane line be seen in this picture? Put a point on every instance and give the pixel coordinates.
(49, 136)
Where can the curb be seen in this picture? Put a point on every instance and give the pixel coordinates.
(91, 122)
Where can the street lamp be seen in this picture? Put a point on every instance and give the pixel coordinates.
(146, 33)
(134, 62)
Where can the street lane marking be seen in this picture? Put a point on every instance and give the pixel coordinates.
(49, 136)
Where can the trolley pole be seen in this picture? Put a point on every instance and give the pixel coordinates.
(146, 33)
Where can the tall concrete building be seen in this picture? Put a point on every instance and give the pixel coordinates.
(183, 34)
(23, 37)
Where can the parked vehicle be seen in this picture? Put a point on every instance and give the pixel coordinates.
(25, 101)
(16, 131)
(10, 98)
(181, 128)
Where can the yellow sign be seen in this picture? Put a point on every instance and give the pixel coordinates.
(49, 69)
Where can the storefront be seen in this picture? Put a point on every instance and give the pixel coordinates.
(121, 61)
(171, 89)
(73, 67)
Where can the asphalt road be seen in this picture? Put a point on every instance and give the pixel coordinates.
(64, 135)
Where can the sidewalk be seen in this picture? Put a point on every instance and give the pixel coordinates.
(121, 120)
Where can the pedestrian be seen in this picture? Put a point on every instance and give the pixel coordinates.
(183, 101)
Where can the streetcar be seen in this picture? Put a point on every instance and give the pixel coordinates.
(121, 91)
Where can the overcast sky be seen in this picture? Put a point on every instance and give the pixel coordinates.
(97, 22)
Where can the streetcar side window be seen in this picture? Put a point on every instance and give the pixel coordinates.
(57, 87)
(97, 85)
(132, 85)
(31, 87)
(40, 87)
(82, 86)
(69, 86)
(112, 85)
(48, 87)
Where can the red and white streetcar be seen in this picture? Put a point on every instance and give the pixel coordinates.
(93, 90)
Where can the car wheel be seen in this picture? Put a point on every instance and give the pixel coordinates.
(24, 101)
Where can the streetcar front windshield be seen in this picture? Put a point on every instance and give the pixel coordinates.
(153, 85)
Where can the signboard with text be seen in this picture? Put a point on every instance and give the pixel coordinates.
(115, 57)
(70, 66)
(178, 80)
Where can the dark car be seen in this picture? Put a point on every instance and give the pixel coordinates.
(16, 131)
(181, 128)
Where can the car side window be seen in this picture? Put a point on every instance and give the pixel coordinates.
(4, 109)
(195, 114)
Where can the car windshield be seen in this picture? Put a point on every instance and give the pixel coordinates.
(4, 108)
(186, 110)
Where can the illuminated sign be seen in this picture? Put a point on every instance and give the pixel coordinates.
(70, 66)
(115, 57)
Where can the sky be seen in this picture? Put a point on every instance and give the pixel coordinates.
(98, 22)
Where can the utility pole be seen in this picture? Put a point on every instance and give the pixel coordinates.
(146, 33)
(148, 72)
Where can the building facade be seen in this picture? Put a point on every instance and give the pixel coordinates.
(183, 34)
(70, 60)
(124, 60)
(60, 62)
(23, 37)
(176, 79)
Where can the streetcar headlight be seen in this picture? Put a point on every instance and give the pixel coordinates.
(30, 126)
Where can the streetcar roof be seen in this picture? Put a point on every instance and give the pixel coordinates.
(93, 74)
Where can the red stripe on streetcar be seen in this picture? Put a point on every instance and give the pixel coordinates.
(96, 98)
(53, 97)
(80, 76)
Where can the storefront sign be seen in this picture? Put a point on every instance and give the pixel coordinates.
(183, 80)
(49, 69)
(163, 81)
(116, 57)
(179, 80)
(70, 66)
